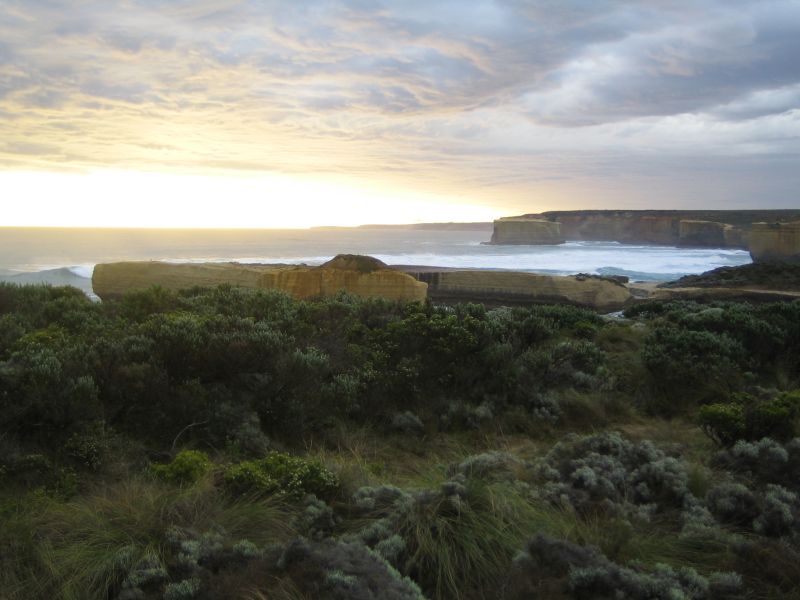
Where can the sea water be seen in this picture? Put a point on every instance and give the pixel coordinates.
(58, 255)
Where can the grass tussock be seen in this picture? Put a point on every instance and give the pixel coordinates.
(85, 547)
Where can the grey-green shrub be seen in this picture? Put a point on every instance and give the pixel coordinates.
(607, 472)
(583, 573)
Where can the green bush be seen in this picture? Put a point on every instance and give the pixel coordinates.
(687, 367)
(775, 417)
(746, 417)
(187, 467)
(281, 473)
(724, 423)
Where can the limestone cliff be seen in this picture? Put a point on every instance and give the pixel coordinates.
(710, 234)
(700, 228)
(524, 230)
(626, 228)
(361, 276)
(509, 287)
(775, 241)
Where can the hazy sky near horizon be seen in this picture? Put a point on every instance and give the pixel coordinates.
(144, 112)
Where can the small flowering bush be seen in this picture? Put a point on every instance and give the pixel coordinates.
(282, 473)
(187, 467)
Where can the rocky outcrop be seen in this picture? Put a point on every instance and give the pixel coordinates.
(358, 275)
(524, 230)
(514, 288)
(699, 228)
(775, 242)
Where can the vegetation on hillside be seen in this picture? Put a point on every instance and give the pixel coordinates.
(767, 275)
(231, 443)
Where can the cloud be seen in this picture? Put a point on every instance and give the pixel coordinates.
(504, 95)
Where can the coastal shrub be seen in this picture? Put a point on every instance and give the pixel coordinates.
(12, 328)
(187, 467)
(138, 305)
(724, 423)
(763, 462)
(88, 448)
(732, 503)
(775, 417)
(520, 328)
(774, 512)
(608, 473)
(780, 512)
(317, 520)
(769, 333)
(489, 466)
(407, 422)
(281, 473)
(41, 473)
(751, 417)
(341, 571)
(46, 391)
(688, 366)
(182, 590)
(562, 569)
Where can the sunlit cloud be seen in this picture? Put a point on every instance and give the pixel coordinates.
(502, 106)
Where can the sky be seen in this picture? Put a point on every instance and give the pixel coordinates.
(291, 114)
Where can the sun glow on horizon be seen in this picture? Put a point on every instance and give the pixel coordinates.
(115, 198)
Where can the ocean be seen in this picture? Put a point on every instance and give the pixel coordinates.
(67, 256)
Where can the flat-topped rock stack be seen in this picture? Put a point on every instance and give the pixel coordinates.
(358, 275)
(517, 288)
(527, 230)
(369, 278)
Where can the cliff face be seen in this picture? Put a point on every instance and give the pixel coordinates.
(628, 228)
(710, 234)
(523, 230)
(361, 278)
(775, 241)
(701, 228)
(507, 287)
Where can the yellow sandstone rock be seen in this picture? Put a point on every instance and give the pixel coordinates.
(510, 287)
(523, 230)
(360, 276)
(775, 241)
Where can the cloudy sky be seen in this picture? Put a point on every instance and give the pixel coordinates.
(299, 113)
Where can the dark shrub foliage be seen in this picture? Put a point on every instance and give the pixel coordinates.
(560, 568)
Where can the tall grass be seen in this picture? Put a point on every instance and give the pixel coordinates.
(457, 548)
(85, 548)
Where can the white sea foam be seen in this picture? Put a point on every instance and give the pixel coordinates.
(82, 270)
(605, 258)
(434, 248)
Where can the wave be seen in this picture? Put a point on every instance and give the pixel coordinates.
(639, 262)
(84, 271)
